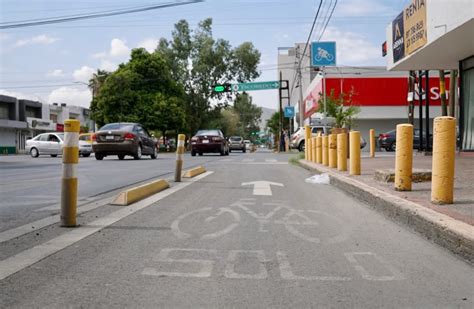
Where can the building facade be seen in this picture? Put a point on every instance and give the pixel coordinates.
(438, 35)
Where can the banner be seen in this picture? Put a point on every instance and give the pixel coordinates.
(415, 26)
(398, 38)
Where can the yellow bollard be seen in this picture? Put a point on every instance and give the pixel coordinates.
(372, 143)
(333, 150)
(354, 157)
(404, 157)
(309, 146)
(69, 180)
(444, 148)
(342, 152)
(325, 145)
(307, 135)
(179, 157)
(319, 149)
(313, 149)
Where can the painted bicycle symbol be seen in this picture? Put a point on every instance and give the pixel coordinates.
(300, 223)
(322, 53)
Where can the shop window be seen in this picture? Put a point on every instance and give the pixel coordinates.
(468, 104)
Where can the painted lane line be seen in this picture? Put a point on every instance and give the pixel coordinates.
(248, 160)
(33, 255)
(259, 163)
(262, 187)
(271, 160)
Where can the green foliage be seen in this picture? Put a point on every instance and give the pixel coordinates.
(340, 108)
(228, 122)
(249, 114)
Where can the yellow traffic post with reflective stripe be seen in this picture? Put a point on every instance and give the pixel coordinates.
(313, 149)
(404, 157)
(332, 150)
(444, 149)
(372, 143)
(69, 180)
(354, 153)
(179, 157)
(307, 135)
(342, 152)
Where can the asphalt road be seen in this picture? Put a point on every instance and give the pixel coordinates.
(231, 240)
(30, 188)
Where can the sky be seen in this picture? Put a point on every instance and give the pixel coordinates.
(53, 63)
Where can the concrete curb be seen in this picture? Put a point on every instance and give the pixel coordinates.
(445, 231)
(194, 172)
(138, 193)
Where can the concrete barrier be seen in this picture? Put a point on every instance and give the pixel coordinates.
(194, 172)
(136, 194)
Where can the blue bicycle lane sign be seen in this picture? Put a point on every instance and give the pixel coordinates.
(323, 54)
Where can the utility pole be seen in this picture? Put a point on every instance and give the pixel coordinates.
(452, 93)
(280, 130)
(300, 85)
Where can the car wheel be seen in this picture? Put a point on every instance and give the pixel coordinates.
(34, 152)
(200, 154)
(193, 153)
(138, 153)
(393, 147)
(155, 153)
(244, 151)
(86, 155)
(121, 156)
(230, 150)
(53, 155)
(222, 152)
(301, 146)
(98, 156)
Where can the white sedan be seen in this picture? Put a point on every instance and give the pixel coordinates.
(52, 144)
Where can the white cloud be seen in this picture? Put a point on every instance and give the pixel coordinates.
(71, 96)
(40, 39)
(3, 36)
(83, 74)
(149, 44)
(353, 48)
(55, 73)
(20, 95)
(118, 48)
(107, 65)
(99, 55)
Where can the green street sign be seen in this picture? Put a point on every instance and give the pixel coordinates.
(256, 86)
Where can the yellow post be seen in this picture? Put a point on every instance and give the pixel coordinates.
(69, 180)
(333, 150)
(179, 157)
(444, 148)
(307, 135)
(354, 149)
(404, 157)
(342, 152)
(319, 149)
(313, 149)
(372, 143)
(325, 150)
(309, 146)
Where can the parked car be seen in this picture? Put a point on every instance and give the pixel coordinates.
(205, 141)
(85, 148)
(122, 139)
(237, 143)
(86, 137)
(388, 139)
(298, 141)
(45, 144)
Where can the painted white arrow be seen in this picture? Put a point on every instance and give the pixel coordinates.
(262, 187)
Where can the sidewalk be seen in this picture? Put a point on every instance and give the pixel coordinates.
(448, 225)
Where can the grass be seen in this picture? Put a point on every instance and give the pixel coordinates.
(294, 159)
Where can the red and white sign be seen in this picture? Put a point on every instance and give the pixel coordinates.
(372, 91)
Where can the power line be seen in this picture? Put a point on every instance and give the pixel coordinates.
(324, 29)
(63, 19)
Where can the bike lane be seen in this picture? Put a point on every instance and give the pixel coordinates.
(239, 238)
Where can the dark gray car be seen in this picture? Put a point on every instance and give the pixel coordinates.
(237, 143)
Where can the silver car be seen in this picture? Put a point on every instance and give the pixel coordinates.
(45, 144)
(52, 144)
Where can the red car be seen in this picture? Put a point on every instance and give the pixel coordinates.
(206, 141)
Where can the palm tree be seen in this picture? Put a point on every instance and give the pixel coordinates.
(97, 81)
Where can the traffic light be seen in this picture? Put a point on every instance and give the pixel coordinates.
(222, 88)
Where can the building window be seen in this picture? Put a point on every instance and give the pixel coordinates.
(468, 108)
(53, 118)
(4, 111)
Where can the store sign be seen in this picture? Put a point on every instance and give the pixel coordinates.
(409, 30)
(40, 124)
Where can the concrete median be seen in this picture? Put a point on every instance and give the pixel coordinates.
(136, 194)
(194, 172)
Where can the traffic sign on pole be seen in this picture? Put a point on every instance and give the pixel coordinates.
(256, 86)
(289, 111)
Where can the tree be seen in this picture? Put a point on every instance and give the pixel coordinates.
(273, 125)
(249, 114)
(227, 121)
(340, 108)
(97, 81)
(141, 90)
(198, 61)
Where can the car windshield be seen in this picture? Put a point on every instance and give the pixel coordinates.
(61, 136)
(207, 132)
(117, 126)
(235, 138)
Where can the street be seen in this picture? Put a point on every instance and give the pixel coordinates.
(248, 233)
